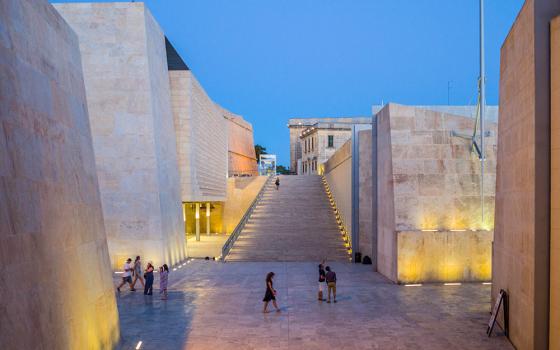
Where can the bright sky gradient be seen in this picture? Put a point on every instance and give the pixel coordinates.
(273, 60)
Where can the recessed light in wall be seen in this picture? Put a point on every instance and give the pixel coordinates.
(413, 285)
(452, 284)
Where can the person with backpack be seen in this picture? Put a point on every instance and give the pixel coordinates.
(322, 280)
(331, 283)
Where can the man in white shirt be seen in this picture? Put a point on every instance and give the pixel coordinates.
(127, 275)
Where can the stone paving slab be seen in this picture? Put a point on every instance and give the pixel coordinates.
(214, 305)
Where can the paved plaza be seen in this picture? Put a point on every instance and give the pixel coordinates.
(213, 305)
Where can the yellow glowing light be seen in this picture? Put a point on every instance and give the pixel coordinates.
(458, 230)
(487, 283)
(118, 272)
(429, 230)
(452, 284)
(197, 215)
(139, 345)
(413, 285)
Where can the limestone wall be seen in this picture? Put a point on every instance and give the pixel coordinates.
(201, 133)
(430, 181)
(241, 149)
(56, 290)
(367, 225)
(338, 172)
(555, 186)
(443, 256)
(522, 225)
(386, 237)
(435, 176)
(127, 87)
(241, 193)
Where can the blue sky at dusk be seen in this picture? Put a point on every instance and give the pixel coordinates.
(273, 60)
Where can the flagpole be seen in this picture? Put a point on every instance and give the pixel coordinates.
(482, 83)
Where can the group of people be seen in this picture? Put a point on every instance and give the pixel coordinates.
(145, 276)
(327, 279)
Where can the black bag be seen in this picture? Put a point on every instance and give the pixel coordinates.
(357, 257)
(366, 260)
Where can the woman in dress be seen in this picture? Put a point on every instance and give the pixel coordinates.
(138, 272)
(164, 272)
(270, 293)
(149, 275)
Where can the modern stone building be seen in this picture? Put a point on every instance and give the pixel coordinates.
(56, 289)
(314, 140)
(409, 192)
(212, 143)
(163, 147)
(242, 160)
(128, 95)
(526, 253)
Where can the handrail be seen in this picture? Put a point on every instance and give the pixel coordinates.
(237, 231)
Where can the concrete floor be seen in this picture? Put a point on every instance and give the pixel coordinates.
(210, 246)
(213, 305)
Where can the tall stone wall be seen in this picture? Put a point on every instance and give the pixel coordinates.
(338, 172)
(522, 225)
(429, 181)
(242, 159)
(201, 133)
(127, 87)
(56, 292)
(555, 186)
(386, 237)
(367, 221)
(242, 191)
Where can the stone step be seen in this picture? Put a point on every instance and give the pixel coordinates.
(295, 223)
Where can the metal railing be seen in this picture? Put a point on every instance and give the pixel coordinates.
(237, 231)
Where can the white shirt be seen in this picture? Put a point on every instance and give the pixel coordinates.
(127, 266)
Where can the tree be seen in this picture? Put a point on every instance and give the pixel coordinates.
(259, 150)
(280, 169)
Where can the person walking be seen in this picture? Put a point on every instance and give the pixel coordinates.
(270, 293)
(138, 272)
(163, 276)
(149, 276)
(277, 182)
(331, 283)
(322, 280)
(127, 275)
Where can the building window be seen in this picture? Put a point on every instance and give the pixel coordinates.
(330, 141)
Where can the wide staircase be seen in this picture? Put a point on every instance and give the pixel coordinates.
(295, 223)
